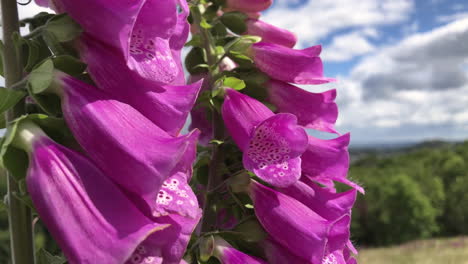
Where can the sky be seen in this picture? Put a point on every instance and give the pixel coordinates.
(401, 65)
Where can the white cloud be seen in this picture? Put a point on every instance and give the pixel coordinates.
(319, 18)
(345, 47)
(417, 88)
(452, 17)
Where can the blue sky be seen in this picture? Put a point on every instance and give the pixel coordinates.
(402, 65)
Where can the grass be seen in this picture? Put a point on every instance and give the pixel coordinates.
(433, 251)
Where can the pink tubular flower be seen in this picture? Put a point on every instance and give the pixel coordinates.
(289, 65)
(313, 110)
(151, 44)
(272, 144)
(87, 214)
(229, 255)
(128, 147)
(166, 105)
(270, 33)
(296, 227)
(326, 161)
(249, 6)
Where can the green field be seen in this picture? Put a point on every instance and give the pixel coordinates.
(433, 251)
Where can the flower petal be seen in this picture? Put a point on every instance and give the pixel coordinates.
(166, 105)
(326, 160)
(241, 114)
(169, 245)
(277, 254)
(89, 217)
(150, 53)
(289, 65)
(133, 151)
(270, 33)
(176, 196)
(327, 204)
(313, 110)
(229, 255)
(274, 150)
(290, 223)
(248, 5)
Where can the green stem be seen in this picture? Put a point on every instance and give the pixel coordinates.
(19, 216)
(217, 152)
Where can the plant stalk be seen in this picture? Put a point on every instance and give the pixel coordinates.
(217, 153)
(19, 215)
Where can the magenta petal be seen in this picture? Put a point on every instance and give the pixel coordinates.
(150, 53)
(169, 245)
(289, 65)
(290, 223)
(43, 3)
(176, 196)
(313, 110)
(167, 106)
(229, 255)
(241, 114)
(270, 33)
(133, 151)
(89, 217)
(149, 43)
(248, 5)
(326, 160)
(334, 258)
(274, 150)
(277, 254)
(327, 204)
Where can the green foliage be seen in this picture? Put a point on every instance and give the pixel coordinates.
(412, 195)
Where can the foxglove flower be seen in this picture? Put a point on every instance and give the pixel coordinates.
(296, 227)
(248, 6)
(326, 161)
(169, 245)
(229, 255)
(270, 33)
(326, 203)
(128, 147)
(86, 213)
(277, 254)
(165, 105)
(313, 110)
(272, 144)
(150, 44)
(289, 65)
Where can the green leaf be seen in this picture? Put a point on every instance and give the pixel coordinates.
(234, 83)
(44, 257)
(204, 24)
(195, 57)
(41, 77)
(8, 98)
(240, 56)
(69, 64)
(11, 158)
(196, 41)
(63, 28)
(216, 142)
(235, 21)
(16, 160)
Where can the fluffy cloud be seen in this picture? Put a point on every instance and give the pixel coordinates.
(316, 19)
(415, 89)
(345, 47)
(427, 61)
